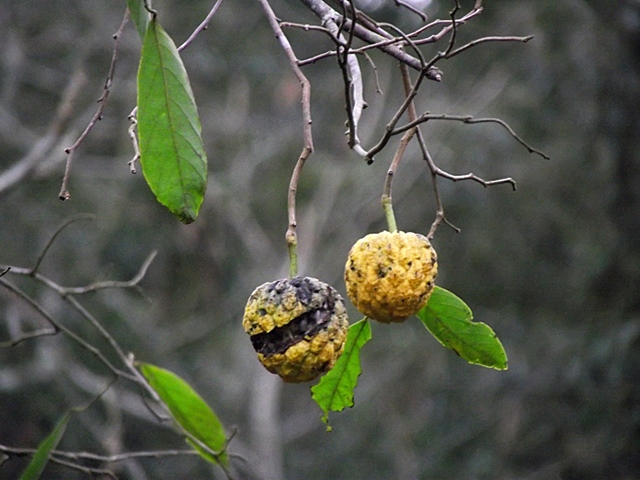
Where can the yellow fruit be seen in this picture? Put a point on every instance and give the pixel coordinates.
(390, 276)
(297, 327)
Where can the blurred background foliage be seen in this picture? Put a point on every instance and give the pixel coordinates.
(554, 268)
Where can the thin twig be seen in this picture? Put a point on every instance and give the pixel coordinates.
(315, 58)
(291, 236)
(448, 26)
(58, 326)
(324, 12)
(470, 120)
(413, 9)
(375, 73)
(44, 332)
(478, 41)
(102, 101)
(454, 28)
(412, 114)
(65, 224)
(114, 283)
(390, 128)
(352, 79)
(435, 170)
(55, 458)
(387, 197)
(201, 27)
(121, 457)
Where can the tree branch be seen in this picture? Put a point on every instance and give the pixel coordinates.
(59, 327)
(470, 120)
(102, 101)
(326, 13)
(291, 235)
(203, 26)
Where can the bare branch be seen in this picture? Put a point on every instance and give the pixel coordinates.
(469, 119)
(410, 7)
(478, 41)
(44, 332)
(291, 236)
(114, 283)
(375, 72)
(72, 459)
(351, 76)
(448, 26)
(121, 457)
(387, 198)
(65, 224)
(201, 27)
(315, 58)
(326, 13)
(454, 29)
(102, 101)
(92, 471)
(390, 129)
(440, 215)
(475, 178)
(58, 326)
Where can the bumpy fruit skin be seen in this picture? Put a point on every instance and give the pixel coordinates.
(390, 276)
(297, 327)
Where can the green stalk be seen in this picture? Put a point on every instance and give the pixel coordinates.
(387, 206)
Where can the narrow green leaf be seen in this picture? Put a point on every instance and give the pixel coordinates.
(335, 390)
(139, 15)
(172, 155)
(449, 319)
(189, 410)
(41, 455)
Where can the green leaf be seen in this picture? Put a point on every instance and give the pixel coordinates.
(139, 15)
(449, 319)
(189, 410)
(172, 155)
(41, 455)
(335, 390)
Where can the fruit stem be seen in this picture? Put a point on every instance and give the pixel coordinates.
(292, 247)
(387, 206)
(292, 236)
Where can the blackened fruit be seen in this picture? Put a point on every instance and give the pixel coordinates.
(298, 327)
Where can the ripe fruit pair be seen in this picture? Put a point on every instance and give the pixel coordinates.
(298, 326)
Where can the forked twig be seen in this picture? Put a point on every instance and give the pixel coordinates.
(60, 328)
(470, 120)
(102, 102)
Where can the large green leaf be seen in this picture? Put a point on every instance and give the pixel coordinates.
(189, 410)
(139, 15)
(449, 319)
(172, 155)
(41, 455)
(335, 390)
